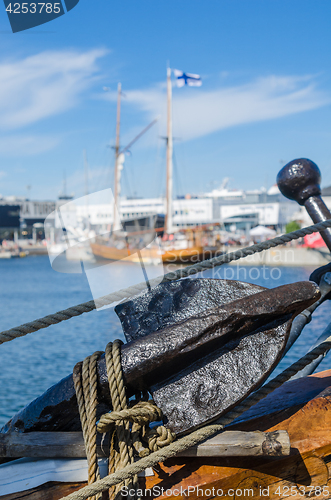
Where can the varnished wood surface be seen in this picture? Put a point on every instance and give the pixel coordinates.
(48, 491)
(130, 255)
(182, 255)
(308, 422)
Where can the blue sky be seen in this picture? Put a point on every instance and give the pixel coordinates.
(265, 98)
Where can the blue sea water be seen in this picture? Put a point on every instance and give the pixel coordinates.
(31, 289)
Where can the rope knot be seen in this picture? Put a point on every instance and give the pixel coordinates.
(141, 414)
(159, 437)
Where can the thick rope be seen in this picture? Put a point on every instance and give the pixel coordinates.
(142, 413)
(121, 452)
(123, 441)
(52, 319)
(200, 435)
(85, 381)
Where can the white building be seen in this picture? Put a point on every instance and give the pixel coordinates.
(230, 208)
(241, 209)
(186, 212)
(246, 209)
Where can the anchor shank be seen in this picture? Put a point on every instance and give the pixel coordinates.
(319, 212)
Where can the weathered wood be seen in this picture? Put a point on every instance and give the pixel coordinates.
(71, 445)
(242, 444)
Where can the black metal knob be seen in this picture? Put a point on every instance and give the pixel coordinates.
(300, 180)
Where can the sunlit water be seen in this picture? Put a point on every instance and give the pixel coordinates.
(30, 289)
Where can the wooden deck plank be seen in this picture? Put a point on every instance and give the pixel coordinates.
(71, 445)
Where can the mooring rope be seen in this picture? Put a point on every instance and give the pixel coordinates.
(199, 435)
(71, 312)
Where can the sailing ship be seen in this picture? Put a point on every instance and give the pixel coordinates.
(177, 246)
(129, 240)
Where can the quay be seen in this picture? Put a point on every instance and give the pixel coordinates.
(284, 256)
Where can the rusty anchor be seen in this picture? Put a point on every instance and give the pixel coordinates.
(200, 346)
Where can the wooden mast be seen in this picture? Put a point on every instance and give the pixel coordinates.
(116, 207)
(168, 218)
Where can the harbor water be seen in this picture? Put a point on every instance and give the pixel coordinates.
(32, 289)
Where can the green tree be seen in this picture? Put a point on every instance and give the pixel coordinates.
(292, 226)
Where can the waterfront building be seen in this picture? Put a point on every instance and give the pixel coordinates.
(232, 209)
(20, 217)
(244, 210)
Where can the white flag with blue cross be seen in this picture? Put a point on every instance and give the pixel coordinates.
(189, 79)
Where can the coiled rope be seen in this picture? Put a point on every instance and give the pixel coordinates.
(71, 312)
(201, 434)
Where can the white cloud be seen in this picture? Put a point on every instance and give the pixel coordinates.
(26, 145)
(43, 85)
(201, 112)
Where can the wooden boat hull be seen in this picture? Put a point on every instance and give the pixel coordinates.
(184, 255)
(150, 255)
(302, 407)
(147, 255)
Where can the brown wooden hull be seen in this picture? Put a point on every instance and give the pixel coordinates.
(184, 255)
(301, 407)
(114, 254)
(48, 491)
